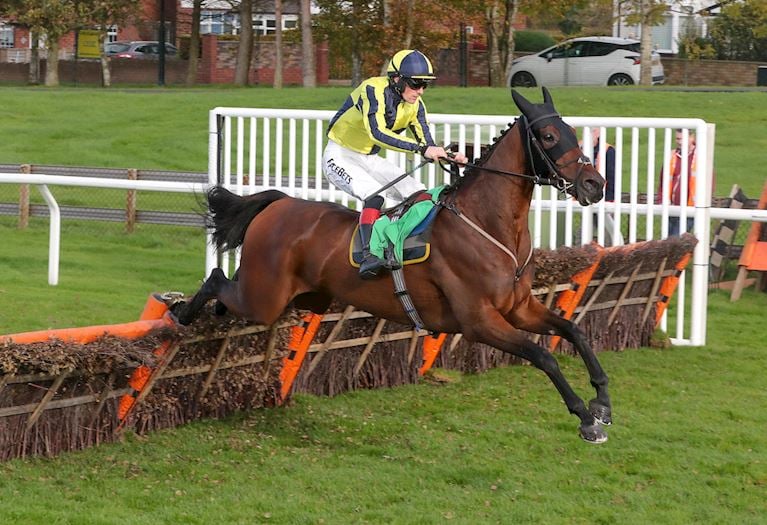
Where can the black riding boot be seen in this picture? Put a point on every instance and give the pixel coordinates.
(371, 265)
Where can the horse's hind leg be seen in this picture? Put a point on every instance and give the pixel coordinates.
(535, 317)
(220, 308)
(212, 287)
(492, 329)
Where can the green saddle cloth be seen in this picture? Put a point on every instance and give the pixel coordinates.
(386, 231)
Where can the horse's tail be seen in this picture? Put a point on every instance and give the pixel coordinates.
(229, 214)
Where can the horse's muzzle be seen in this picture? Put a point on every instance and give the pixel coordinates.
(589, 188)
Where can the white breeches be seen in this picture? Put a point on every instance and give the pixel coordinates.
(362, 175)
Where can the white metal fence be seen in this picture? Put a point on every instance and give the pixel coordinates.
(42, 181)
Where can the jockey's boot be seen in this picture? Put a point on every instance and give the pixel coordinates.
(371, 265)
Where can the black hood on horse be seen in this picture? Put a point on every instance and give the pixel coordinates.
(550, 148)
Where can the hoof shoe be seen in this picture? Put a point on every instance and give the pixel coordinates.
(593, 433)
(600, 412)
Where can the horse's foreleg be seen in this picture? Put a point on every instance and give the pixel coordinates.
(534, 317)
(492, 329)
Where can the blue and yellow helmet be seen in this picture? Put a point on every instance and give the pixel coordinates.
(411, 63)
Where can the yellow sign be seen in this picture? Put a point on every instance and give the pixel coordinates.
(88, 44)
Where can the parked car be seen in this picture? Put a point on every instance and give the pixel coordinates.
(139, 49)
(588, 61)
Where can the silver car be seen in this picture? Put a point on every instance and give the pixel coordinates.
(588, 61)
(139, 49)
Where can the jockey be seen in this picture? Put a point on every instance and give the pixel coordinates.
(372, 117)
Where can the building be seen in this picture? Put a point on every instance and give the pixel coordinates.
(218, 17)
(682, 17)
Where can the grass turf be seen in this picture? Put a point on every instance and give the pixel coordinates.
(168, 128)
(492, 448)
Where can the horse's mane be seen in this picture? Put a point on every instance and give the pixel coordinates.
(485, 155)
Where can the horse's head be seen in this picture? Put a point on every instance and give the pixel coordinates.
(554, 146)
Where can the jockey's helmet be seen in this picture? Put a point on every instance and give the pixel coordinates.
(412, 67)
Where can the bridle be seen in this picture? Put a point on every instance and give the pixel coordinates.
(533, 145)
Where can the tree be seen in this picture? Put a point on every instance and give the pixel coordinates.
(740, 31)
(499, 17)
(50, 19)
(102, 14)
(277, 44)
(366, 33)
(646, 13)
(194, 43)
(353, 30)
(500, 38)
(308, 67)
(10, 9)
(366, 30)
(245, 48)
(693, 46)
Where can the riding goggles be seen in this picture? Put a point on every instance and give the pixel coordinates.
(417, 83)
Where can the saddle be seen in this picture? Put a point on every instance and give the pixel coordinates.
(400, 225)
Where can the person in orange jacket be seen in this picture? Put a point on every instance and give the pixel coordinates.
(674, 192)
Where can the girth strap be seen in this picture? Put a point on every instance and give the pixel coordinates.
(400, 290)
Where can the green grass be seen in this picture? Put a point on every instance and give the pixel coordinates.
(105, 274)
(687, 446)
(167, 128)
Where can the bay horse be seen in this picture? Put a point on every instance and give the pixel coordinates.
(296, 251)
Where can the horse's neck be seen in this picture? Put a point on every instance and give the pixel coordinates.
(500, 203)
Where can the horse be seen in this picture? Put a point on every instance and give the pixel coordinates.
(295, 251)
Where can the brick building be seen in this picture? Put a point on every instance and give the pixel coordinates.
(218, 17)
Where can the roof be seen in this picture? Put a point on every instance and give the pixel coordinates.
(608, 39)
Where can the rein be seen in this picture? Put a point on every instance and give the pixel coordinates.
(536, 179)
(557, 181)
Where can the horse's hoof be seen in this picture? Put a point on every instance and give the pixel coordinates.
(178, 310)
(593, 433)
(603, 414)
(220, 308)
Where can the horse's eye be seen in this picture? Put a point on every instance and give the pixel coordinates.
(549, 137)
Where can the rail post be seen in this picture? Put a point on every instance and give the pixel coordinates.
(130, 203)
(24, 199)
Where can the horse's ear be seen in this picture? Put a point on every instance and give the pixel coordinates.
(546, 96)
(524, 106)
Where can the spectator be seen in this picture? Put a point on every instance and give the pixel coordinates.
(604, 161)
(609, 163)
(674, 192)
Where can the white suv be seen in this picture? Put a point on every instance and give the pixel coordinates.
(588, 61)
